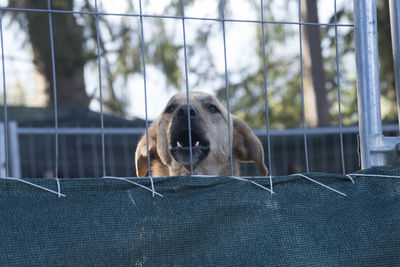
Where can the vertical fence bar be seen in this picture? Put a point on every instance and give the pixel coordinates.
(103, 153)
(33, 163)
(324, 152)
(145, 87)
(302, 92)
(283, 157)
(338, 93)
(394, 8)
(145, 96)
(4, 98)
(187, 88)
(47, 163)
(2, 151)
(227, 88)
(266, 95)
(111, 161)
(126, 148)
(95, 158)
(14, 150)
(53, 66)
(79, 157)
(64, 157)
(368, 90)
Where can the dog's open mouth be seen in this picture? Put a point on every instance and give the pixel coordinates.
(180, 147)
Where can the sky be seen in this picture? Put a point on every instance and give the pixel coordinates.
(240, 51)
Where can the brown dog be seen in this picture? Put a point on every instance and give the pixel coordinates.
(169, 140)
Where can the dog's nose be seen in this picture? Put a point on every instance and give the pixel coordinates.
(182, 112)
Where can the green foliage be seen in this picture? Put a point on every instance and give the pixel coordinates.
(247, 97)
(386, 70)
(346, 50)
(120, 42)
(166, 55)
(69, 54)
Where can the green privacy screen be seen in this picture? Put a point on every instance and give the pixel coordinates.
(203, 222)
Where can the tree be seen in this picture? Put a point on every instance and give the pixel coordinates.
(315, 93)
(76, 44)
(386, 70)
(69, 51)
(284, 96)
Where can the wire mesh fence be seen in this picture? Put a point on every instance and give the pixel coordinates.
(80, 150)
(201, 220)
(100, 155)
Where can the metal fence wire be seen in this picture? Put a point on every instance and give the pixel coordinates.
(372, 152)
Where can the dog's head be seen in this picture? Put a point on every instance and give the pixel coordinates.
(170, 138)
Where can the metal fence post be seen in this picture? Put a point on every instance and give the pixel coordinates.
(14, 149)
(368, 89)
(394, 7)
(2, 151)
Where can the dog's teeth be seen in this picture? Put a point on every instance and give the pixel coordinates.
(178, 144)
(197, 144)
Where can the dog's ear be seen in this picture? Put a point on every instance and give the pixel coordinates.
(141, 151)
(246, 146)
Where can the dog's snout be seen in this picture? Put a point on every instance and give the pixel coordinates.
(183, 112)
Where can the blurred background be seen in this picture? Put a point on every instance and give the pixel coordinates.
(29, 78)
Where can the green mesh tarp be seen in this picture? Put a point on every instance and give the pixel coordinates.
(203, 221)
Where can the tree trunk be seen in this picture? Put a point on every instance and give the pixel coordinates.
(68, 52)
(316, 102)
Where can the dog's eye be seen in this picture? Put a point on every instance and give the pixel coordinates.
(212, 108)
(170, 109)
